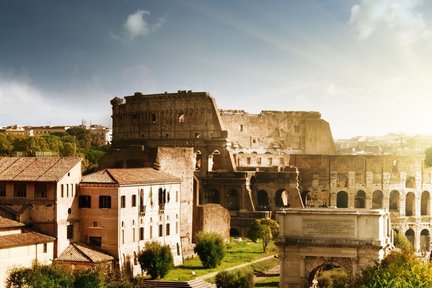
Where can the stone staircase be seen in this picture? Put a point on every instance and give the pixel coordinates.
(174, 284)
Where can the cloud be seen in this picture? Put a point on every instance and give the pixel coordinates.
(400, 17)
(137, 25)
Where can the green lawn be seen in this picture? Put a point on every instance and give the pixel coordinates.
(268, 282)
(237, 253)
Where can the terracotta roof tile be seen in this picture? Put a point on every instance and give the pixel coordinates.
(125, 176)
(77, 252)
(24, 239)
(8, 223)
(98, 177)
(43, 169)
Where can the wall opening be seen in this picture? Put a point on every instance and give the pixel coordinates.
(377, 199)
(360, 199)
(342, 199)
(394, 201)
(425, 203)
(410, 204)
(263, 200)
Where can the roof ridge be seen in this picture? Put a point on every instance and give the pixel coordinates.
(82, 253)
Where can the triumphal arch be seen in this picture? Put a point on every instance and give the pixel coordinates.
(312, 238)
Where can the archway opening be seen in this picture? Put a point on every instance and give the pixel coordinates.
(233, 199)
(234, 232)
(342, 199)
(306, 198)
(424, 240)
(410, 236)
(278, 198)
(377, 199)
(328, 275)
(212, 196)
(215, 161)
(394, 201)
(263, 200)
(198, 160)
(360, 199)
(425, 203)
(410, 204)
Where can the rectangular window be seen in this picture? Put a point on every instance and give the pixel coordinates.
(2, 189)
(41, 190)
(62, 190)
(133, 234)
(123, 201)
(167, 229)
(160, 230)
(270, 161)
(70, 232)
(20, 190)
(95, 241)
(134, 197)
(84, 201)
(141, 234)
(151, 231)
(45, 248)
(104, 201)
(248, 160)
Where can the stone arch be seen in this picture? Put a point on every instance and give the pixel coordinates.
(377, 199)
(425, 203)
(410, 236)
(394, 201)
(342, 199)
(215, 161)
(425, 240)
(316, 264)
(360, 199)
(198, 160)
(410, 204)
(212, 196)
(233, 199)
(263, 200)
(278, 198)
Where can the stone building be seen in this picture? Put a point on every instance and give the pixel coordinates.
(122, 209)
(399, 184)
(40, 192)
(20, 246)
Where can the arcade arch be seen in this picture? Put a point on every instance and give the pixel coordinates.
(410, 204)
(425, 203)
(360, 199)
(342, 199)
(424, 240)
(215, 161)
(377, 199)
(233, 199)
(410, 236)
(394, 201)
(263, 200)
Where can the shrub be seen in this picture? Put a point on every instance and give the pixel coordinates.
(265, 229)
(402, 242)
(156, 259)
(210, 248)
(240, 278)
(333, 278)
(89, 278)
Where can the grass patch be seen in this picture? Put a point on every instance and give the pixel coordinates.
(237, 253)
(268, 282)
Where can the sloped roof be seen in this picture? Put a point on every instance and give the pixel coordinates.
(24, 239)
(127, 176)
(78, 252)
(8, 223)
(41, 169)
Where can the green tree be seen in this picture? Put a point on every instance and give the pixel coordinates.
(397, 270)
(210, 248)
(402, 242)
(156, 259)
(333, 278)
(264, 229)
(89, 278)
(240, 278)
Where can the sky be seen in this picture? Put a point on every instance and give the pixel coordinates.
(366, 65)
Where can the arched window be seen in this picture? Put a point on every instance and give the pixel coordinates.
(233, 199)
(394, 201)
(410, 236)
(360, 200)
(215, 161)
(377, 199)
(342, 199)
(410, 204)
(425, 203)
(424, 240)
(263, 200)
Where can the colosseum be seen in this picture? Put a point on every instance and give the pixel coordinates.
(246, 161)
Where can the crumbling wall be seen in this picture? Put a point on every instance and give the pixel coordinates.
(213, 218)
(180, 162)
